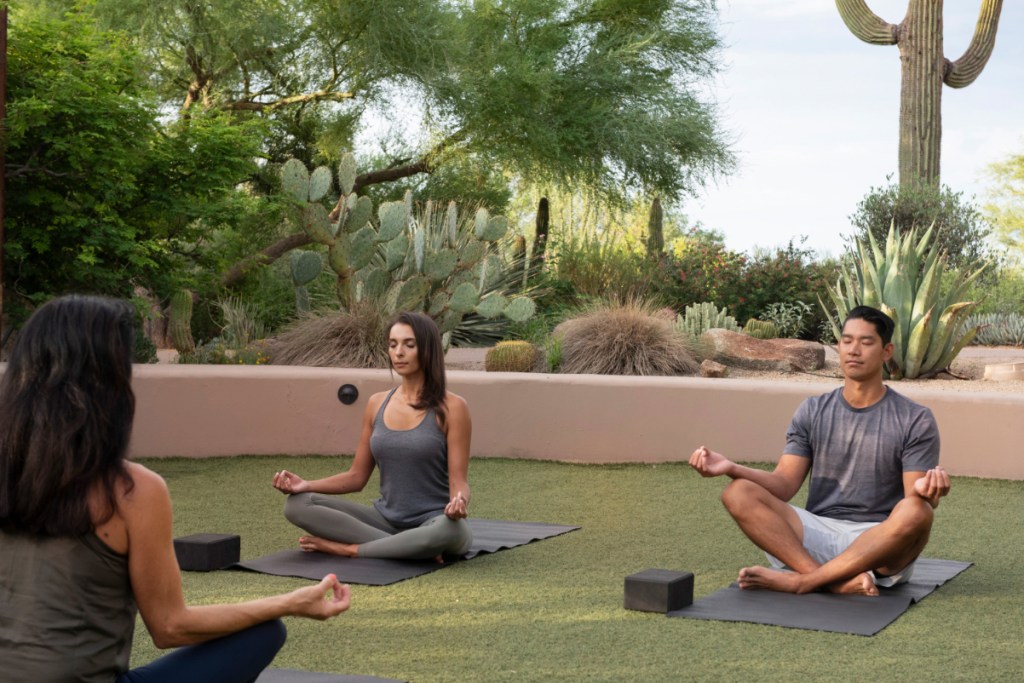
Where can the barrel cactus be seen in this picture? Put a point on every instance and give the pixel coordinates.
(761, 329)
(511, 356)
(905, 280)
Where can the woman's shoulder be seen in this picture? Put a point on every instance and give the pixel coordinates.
(145, 485)
(455, 404)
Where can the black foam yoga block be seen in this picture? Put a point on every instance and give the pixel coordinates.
(207, 552)
(659, 590)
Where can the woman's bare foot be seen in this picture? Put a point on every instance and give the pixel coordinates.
(314, 543)
(862, 584)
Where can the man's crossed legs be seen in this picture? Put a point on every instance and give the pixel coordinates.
(886, 549)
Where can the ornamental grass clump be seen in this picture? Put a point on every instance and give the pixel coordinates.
(905, 281)
(626, 339)
(347, 339)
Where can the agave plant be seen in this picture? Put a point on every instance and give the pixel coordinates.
(904, 282)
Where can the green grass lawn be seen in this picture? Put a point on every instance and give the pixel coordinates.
(553, 610)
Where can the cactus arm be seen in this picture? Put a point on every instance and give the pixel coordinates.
(964, 71)
(865, 24)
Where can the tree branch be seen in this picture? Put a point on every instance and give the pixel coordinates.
(249, 105)
(964, 71)
(275, 251)
(865, 24)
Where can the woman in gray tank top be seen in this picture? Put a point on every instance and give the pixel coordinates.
(418, 434)
(86, 536)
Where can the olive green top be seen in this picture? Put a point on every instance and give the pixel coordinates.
(66, 609)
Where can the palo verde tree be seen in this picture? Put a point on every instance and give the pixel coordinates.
(924, 70)
(599, 93)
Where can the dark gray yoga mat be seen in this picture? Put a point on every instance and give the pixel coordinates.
(856, 614)
(295, 676)
(489, 536)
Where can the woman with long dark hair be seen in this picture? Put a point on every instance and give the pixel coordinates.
(418, 434)
(86, 535)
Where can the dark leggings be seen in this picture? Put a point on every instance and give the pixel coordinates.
(237, 658)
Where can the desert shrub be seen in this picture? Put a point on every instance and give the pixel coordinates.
(790, 317)
(349, 339)
(624, 339)
(701, 268)
(786, 274)
(960, 228)
(997, 329)
(1003, 293)
(600, 266)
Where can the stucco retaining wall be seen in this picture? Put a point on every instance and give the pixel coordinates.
(202, 411)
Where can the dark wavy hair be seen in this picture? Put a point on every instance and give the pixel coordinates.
(884, 325)
(66, 411)
(430, 352)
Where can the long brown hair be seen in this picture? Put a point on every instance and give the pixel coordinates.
(430, 352)
(66, 411)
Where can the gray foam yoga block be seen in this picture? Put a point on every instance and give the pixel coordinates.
(659, 590)
(207, 552)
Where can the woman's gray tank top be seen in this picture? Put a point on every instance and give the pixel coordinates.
(413, 469)
(66, 609)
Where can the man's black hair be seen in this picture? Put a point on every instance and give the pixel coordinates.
(883, 323)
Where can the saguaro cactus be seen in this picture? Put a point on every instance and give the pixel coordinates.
(924, 69)
(655, 230)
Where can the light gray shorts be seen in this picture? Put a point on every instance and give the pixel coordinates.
(824, 538)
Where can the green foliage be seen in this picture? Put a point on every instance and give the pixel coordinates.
(1005, 206)
(600, 266)
(905, 282)
(699, 318)
(997, 329)
(101, 197)
(789, 317)
(960, 228)
(1003, 292)
(144, 350)
(761, 329)
(785, 274)
(701, 268)
(511, 356)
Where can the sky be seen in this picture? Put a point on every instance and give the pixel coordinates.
(813, 115)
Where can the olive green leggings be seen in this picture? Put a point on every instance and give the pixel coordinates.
(337, 519)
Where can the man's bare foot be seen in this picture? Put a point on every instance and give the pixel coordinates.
(314, 543)
(862, 584)
(771, 579)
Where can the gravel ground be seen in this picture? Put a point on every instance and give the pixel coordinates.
(968, 370)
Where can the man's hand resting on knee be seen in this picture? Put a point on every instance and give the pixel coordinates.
(933, 485)
(709, 463)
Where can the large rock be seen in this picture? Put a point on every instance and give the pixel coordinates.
(739, 350)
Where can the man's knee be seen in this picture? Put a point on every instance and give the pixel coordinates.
(738, 494)
(912, 515)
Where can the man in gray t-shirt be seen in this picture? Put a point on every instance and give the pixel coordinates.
(872, 455)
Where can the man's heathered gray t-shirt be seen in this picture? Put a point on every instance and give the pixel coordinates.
(858, 455)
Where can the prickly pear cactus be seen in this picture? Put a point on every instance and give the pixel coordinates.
(439, 261)
(305, 266)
